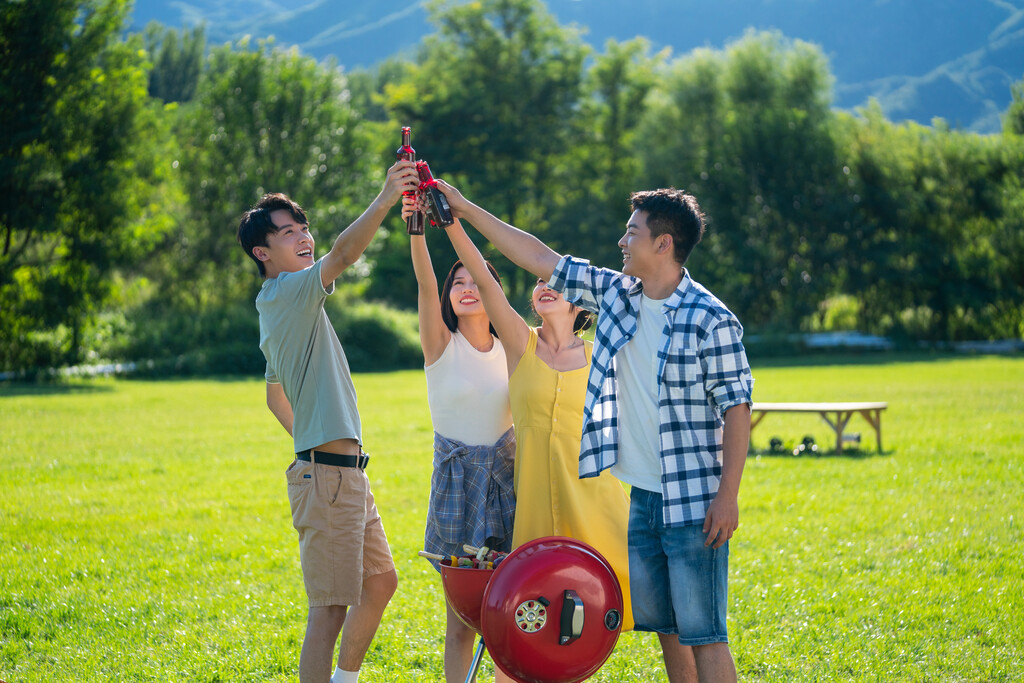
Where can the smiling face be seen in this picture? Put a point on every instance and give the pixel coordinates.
(547, 302)
(641, 252)
(288, 250)
(457, 298)
(464, 295)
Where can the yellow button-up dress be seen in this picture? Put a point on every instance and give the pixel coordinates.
(551, 499)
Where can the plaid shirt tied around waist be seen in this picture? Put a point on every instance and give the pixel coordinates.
(702, 372)
(471, 495)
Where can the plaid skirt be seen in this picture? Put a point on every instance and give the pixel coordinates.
(472, 500)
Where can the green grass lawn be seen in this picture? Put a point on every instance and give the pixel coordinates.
(145, 533)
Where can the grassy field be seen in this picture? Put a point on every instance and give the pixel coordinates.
(145, 533)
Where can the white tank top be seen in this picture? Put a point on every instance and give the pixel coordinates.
(467, 391)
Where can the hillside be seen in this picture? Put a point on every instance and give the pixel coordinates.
(953, 59)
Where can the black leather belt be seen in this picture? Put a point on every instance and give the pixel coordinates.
(336, 459)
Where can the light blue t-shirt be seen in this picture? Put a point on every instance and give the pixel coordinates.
(305, 356)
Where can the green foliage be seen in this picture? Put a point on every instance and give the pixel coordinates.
(177, 61)
(900, 567)
(1013, 121)
(224, 339)
(374, 336)
(79, 168)
(490, 101)
(933, 209)
(366, 88)
(748, 131)
(804, 204)
(390, 279)
(840, 313)
(1007, 250)
(600, 167)
(221, 340)
(263, 120)
(131, 158)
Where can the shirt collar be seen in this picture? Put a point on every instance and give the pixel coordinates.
(675, 300)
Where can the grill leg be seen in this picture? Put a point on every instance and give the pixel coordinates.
(474, 666)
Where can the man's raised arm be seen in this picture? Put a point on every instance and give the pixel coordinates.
(520, 247)
(352, 242)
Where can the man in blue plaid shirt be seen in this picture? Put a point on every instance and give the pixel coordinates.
(667, 409)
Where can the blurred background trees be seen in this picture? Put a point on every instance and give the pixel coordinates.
(126, 160)
(80, 173)
(491, 99)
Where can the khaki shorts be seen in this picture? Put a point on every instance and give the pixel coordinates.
(341, 536)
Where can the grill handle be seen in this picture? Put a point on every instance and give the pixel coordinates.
(572, 618)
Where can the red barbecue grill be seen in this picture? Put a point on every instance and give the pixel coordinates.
(550, 613)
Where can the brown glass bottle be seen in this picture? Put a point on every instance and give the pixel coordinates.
(415, 223)
(439, 214)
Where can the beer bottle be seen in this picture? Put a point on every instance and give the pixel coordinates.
(415, 223)
(438, 212)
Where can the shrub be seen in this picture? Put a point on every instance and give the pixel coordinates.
(376, 337)
(225, 340)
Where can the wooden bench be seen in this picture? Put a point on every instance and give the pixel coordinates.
(837, 415)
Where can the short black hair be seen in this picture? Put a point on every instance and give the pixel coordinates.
(255, 224)
(451, 321)
(674, 212)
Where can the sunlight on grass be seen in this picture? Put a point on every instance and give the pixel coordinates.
(145, 533)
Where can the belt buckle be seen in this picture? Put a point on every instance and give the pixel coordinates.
(362, 460)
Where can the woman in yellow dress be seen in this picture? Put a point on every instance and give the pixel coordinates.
(548, 368)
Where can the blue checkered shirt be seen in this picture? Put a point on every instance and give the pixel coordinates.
(702, 371)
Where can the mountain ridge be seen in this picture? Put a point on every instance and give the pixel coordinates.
(921, 59)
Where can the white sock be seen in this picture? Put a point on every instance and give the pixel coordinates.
(342, 676)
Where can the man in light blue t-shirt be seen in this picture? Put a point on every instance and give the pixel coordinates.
(347, 568)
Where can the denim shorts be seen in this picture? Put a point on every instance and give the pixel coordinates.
(678, 583)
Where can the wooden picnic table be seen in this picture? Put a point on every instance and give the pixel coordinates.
(836, 415)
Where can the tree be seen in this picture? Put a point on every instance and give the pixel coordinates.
(748, 131)
(367, 87)
(75, 171)
(1006, 311)
(263, 120)
(177, 61)
(1013, 120)
(491, 100)
(937, 213)
(601, 168)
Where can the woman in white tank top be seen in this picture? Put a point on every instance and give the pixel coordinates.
(471, 491)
